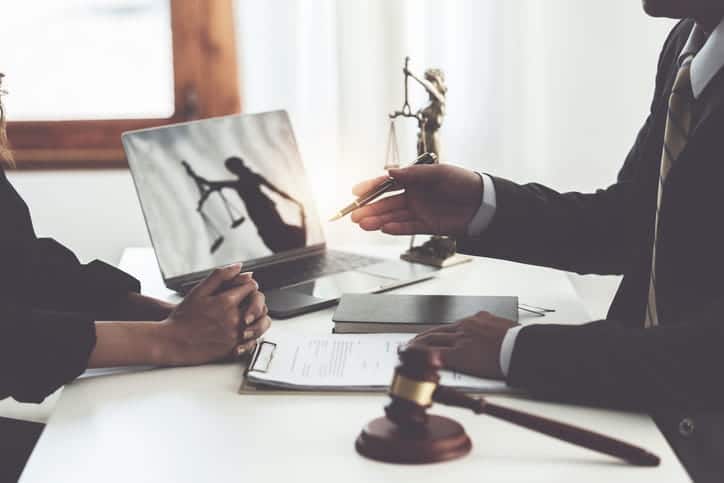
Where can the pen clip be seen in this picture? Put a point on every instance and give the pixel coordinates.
(263, 355)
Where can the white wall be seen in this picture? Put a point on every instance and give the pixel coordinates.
(575, 80)
(94, 212)
(583, 80)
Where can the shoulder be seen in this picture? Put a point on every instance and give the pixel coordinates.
(669, 57)
(675, 41)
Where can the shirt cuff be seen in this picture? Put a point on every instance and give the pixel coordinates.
(488, 205)
(506, 348)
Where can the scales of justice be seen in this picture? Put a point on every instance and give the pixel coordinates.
(438, 251)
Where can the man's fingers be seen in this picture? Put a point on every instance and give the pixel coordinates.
(404, 176)
(451, 359)
(256, 308)
(385, 205)
(442, 329)
(213, 282)
(376, 222)
(365, 186)
(256, 330)
(406, 228)
(415, 175)
(435, 340)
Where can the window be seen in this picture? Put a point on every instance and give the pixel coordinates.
(80, 72)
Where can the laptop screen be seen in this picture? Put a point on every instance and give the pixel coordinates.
(222, 190)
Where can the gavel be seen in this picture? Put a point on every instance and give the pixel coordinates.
(408, 434)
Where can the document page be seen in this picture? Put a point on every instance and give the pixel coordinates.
(360, 362)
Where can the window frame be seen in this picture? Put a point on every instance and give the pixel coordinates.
(206, 84)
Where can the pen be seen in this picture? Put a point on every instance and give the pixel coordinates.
(380, 189)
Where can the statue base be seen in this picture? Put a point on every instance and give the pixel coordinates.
(438, 252)
(433, 261)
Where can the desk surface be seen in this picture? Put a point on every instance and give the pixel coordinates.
(189, 424)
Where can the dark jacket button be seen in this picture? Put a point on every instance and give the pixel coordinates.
(686, 427)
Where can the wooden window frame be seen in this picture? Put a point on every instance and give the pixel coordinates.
(206, 84)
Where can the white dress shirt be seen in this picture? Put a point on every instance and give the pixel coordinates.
(707, 62)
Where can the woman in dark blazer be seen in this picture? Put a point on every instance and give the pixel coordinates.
(59, 317)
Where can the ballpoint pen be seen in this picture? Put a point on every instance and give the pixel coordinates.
(380, 189)
(535, 308)
(524, 308)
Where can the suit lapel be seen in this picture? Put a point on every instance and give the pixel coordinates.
(712, 100)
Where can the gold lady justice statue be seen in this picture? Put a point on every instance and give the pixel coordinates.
(439, 251)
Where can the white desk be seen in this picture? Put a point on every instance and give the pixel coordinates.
(190, 425)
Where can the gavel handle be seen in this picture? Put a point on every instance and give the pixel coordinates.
(565, 432)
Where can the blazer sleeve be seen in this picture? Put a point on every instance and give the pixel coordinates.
(58, 281)
(583, 232)
(608, 364)
(579, 232)
(41, 350)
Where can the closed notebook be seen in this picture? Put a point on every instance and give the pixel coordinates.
(376, 313)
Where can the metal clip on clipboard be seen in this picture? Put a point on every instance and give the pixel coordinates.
(263, 356)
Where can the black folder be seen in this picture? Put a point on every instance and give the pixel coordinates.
(376, 313)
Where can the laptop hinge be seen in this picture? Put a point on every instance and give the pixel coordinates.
(187, 281)
(288, 257)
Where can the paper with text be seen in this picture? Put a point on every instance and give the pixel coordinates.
(342, 363)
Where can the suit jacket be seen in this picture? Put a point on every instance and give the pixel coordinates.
(671, 370)
(48, 303)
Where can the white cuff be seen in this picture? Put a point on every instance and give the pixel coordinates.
(485, 213)
(506, 348)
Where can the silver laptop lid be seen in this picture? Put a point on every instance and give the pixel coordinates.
(223, 190)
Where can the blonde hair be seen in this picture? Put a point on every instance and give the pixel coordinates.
(6, 156)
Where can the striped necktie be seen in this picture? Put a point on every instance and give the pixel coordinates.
(678, 128)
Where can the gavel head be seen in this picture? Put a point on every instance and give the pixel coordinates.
(413, 385)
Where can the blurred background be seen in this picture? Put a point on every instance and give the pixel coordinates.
(546, 90)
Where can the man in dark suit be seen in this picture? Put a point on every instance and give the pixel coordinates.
(661, 347)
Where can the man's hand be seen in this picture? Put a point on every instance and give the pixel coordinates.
(471, 345)
(438, 199)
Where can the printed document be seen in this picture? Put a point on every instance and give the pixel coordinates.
(360, 362)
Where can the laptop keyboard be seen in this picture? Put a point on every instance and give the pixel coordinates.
(309, 268)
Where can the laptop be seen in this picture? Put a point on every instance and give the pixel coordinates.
(233, 189)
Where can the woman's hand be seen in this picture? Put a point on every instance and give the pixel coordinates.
(220, 318)
(141, 307)
(214, 321)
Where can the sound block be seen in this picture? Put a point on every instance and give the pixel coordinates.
(441, 440)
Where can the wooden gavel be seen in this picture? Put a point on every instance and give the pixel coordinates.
(409, 435)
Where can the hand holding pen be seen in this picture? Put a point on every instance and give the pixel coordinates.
(438, 199)
(379, 187)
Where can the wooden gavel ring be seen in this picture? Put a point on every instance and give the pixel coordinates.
(407, 434)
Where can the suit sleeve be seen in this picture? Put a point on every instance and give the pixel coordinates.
(608, 364)
(41, 350)
(582, 232)
(59, 282)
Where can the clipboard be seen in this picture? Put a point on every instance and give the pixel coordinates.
(261, 360)
(337, 364)
(262, 357)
